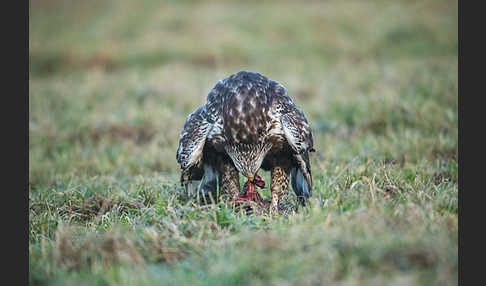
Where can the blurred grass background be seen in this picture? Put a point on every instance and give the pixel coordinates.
(110, 86)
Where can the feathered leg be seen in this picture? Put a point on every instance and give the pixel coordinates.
(229, 181)
(279, 186)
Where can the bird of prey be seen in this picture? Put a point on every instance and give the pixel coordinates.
(248, 122)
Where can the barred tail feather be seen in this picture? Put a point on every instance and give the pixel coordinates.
(300, 185)
(301, 178)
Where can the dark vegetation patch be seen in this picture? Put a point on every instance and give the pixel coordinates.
(443, 177)
(49, 63)
(45, 64)
(414, 40)
(448, 153)
(140, 135)
(73, 253)
(410, 257)
(87, 209)
(96, 206)
(112, 134)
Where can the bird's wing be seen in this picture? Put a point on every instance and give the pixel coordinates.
(299, 136)
(294, 124)
(297, 130)
(192, 139)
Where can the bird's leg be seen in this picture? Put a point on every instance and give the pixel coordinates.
(279, 186)
(229, 181)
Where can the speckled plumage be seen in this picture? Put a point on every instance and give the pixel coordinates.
(248, 122)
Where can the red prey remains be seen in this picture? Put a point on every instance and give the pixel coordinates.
(251, 195)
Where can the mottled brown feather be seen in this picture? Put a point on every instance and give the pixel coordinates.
(248, 122)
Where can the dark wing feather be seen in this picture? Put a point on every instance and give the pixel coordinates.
(301, 177)
(294, 124)
(191, 143)
(297, 130)
(299, 136)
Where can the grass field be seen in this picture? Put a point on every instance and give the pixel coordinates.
(112, 82)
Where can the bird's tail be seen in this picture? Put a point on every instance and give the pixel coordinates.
(300, 185)
(301, 179)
